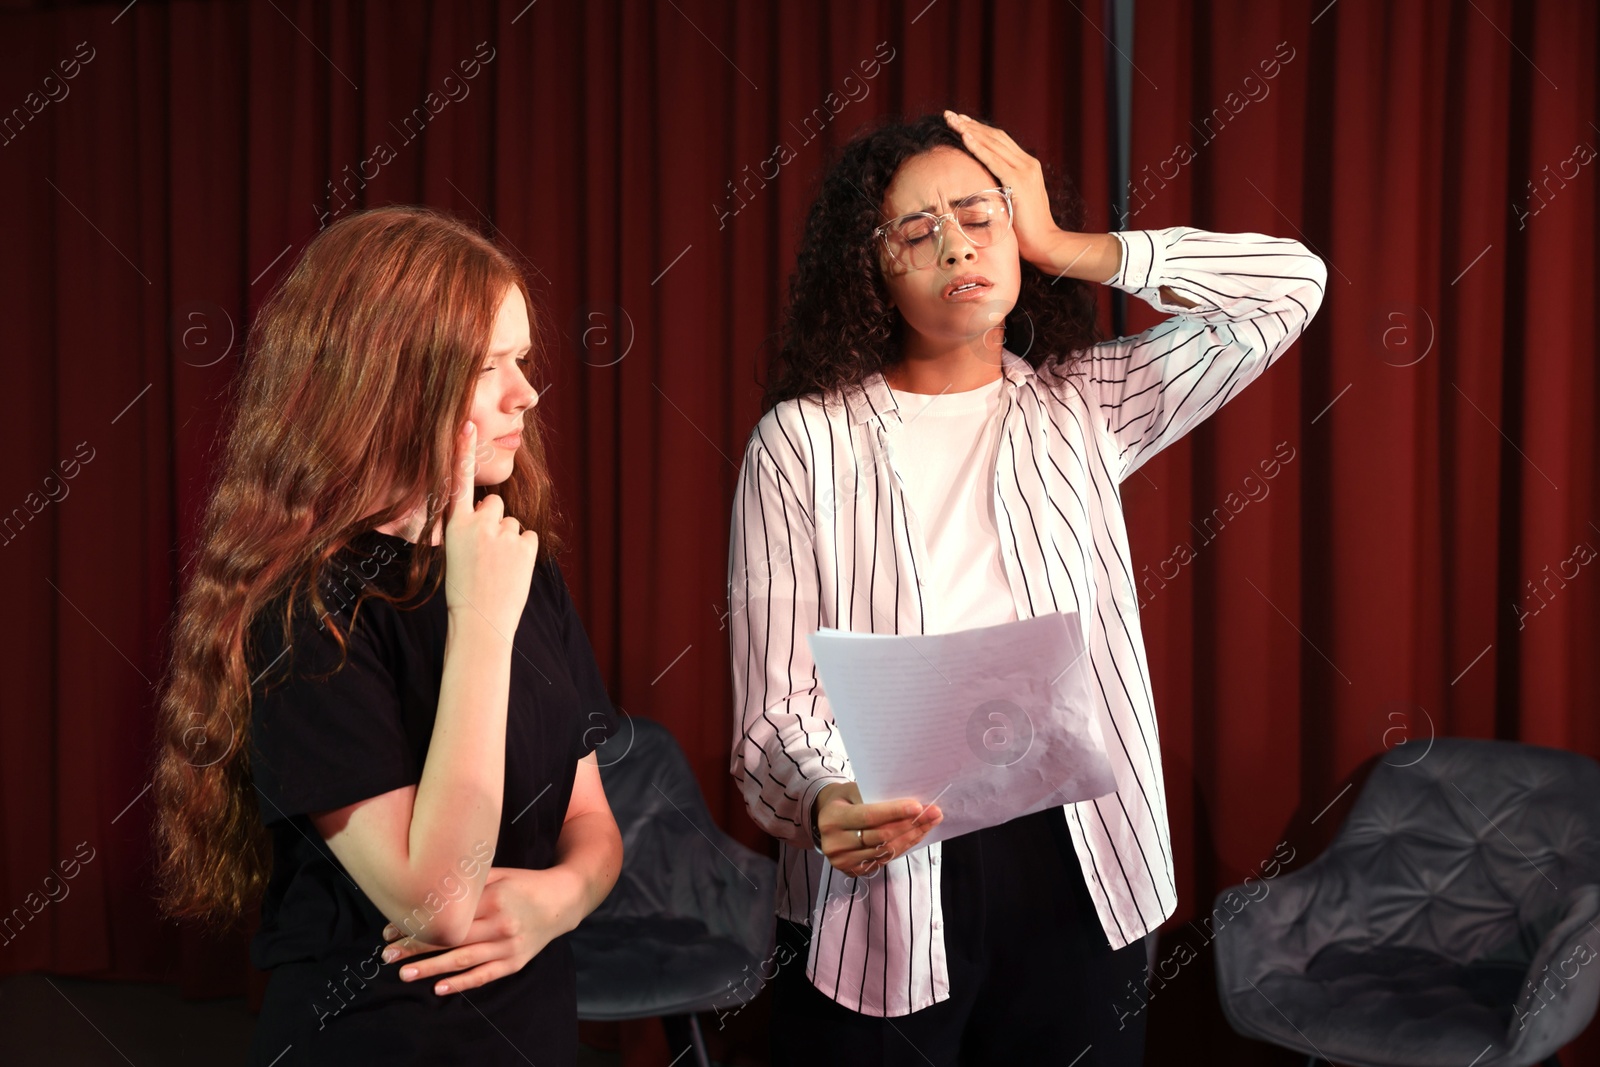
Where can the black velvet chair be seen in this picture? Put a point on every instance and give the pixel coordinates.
(689, 923)
(1452, 922)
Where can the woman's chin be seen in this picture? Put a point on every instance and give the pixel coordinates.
(493, 474)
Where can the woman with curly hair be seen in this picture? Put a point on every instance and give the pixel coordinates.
(943, 446)
(347, 742)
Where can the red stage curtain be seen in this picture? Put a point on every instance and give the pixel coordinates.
(1440, 411)
(158, 193)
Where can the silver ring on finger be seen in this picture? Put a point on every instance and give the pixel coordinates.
(860, 840)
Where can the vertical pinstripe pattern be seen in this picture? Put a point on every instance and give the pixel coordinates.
(821, 536)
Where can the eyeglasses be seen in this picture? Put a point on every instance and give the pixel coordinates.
(915, 240)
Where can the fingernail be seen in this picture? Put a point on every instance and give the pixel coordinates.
(389, 931)
(443, 987)
(388, 955)
(408, 972)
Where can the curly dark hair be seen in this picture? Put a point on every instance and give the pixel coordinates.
(838, 327)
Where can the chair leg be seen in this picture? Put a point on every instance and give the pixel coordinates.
(683, 1032)
(700, 1055)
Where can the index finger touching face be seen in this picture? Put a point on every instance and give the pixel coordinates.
(464, 470)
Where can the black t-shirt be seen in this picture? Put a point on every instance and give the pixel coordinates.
(322, 743)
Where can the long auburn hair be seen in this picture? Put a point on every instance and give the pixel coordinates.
(838, 326)
(359, 369)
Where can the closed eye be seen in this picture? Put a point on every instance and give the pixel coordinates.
(524, 362)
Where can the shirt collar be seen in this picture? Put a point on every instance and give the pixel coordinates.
(872, 398)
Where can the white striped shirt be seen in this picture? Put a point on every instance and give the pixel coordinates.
(821, 536)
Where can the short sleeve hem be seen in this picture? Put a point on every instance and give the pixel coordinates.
(310, 803)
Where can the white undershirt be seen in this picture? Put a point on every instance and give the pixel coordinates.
(946, 455)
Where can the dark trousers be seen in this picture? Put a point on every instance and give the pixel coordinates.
(1033, 979)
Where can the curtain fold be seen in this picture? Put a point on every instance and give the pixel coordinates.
(1376, 592)
(1411, 565)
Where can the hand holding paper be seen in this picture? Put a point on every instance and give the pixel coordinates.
(858, 838)
(990, 723)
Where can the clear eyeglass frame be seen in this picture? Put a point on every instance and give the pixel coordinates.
(931, 246)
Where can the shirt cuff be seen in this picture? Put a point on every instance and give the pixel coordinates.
(809, 797)
(1144, 259)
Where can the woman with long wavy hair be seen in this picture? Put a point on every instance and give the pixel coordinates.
(394, 770)
(943, 449)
